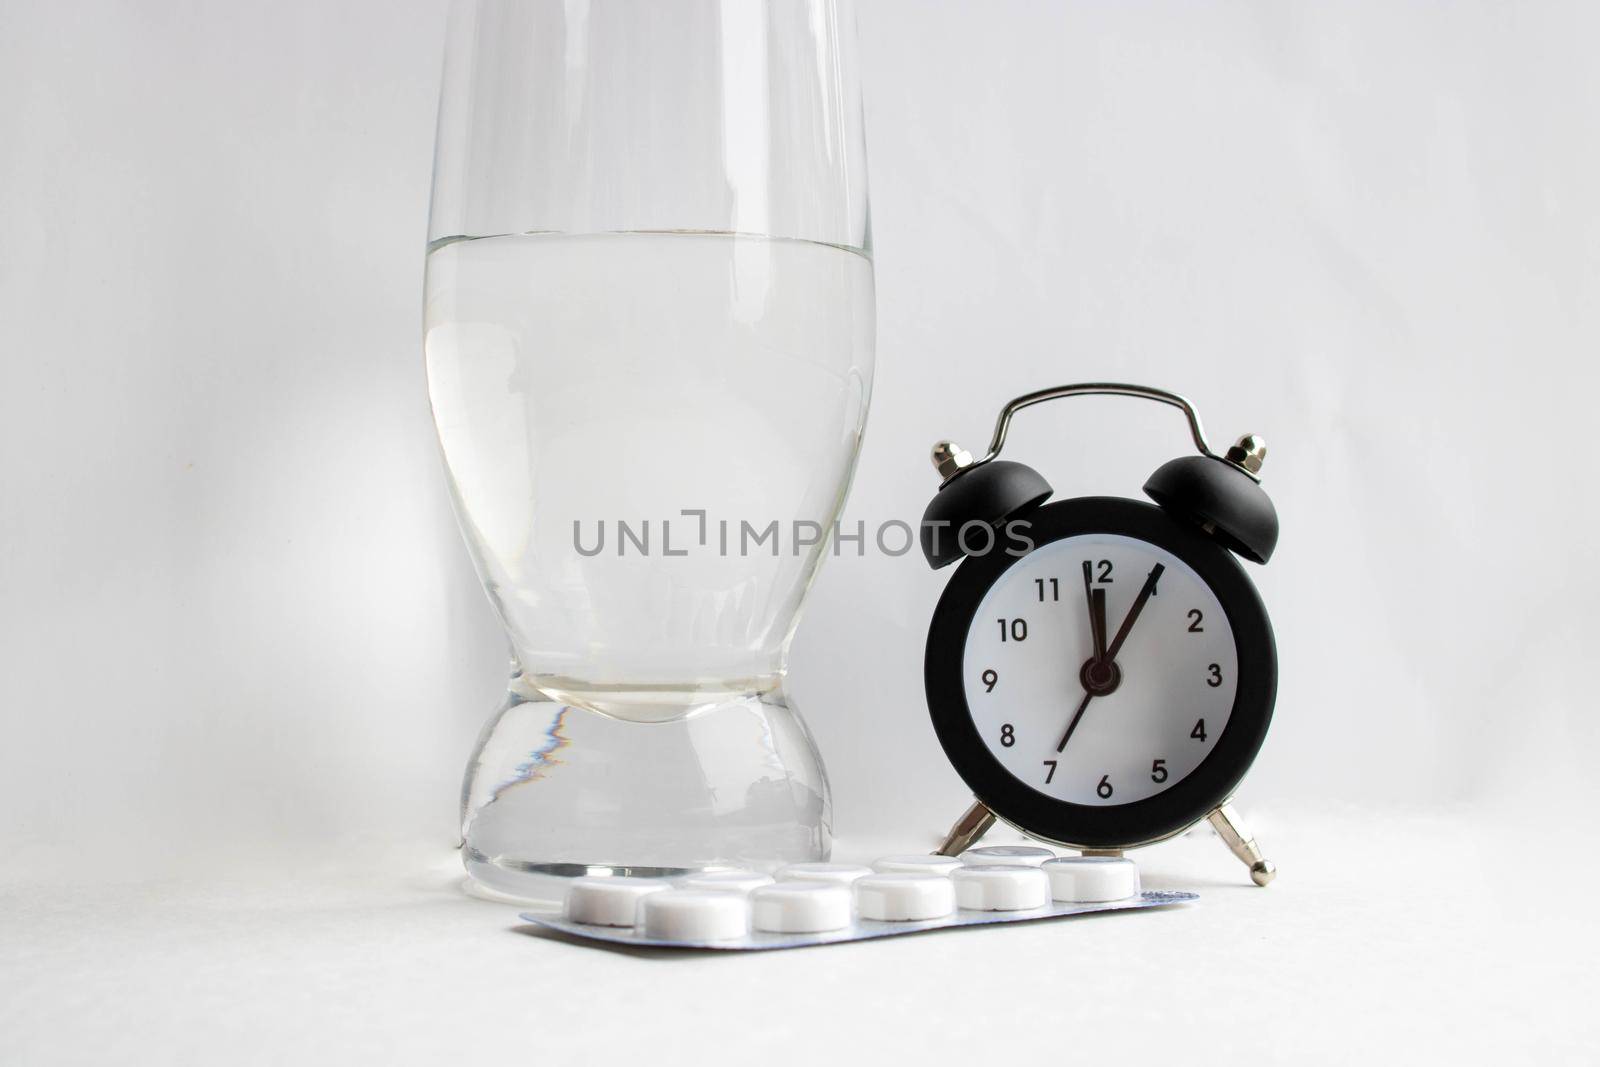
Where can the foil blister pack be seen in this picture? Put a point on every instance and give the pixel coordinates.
(828, 903)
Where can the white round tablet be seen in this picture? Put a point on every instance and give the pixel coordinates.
(916, 864)
(735, 881)
(1000, 887)
(1092, 879)
(899, 897)
(602, 901)
(842, 873)
(694, 915)
(801, 907)
(1016, 855)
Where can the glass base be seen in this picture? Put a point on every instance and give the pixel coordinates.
(556, 791)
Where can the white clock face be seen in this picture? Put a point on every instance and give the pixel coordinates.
(1152, 705)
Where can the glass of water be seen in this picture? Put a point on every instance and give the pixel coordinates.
(649, 342)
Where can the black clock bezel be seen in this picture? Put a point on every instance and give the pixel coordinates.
(1116, 825)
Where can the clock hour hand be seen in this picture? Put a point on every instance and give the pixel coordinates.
(1133, 612)
(1096, 599)
(1097, 625)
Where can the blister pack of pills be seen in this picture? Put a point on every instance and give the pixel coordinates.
(826, 903)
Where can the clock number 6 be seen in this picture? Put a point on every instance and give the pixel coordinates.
(1103, 790)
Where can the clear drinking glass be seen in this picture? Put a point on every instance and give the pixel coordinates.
(649, 343)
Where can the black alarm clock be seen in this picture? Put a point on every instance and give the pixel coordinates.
(1101, 671)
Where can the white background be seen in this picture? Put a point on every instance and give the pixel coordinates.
(236, 618)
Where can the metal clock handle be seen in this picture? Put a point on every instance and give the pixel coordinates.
(1143, 392)
(950, 458)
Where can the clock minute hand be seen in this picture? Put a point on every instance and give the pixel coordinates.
(1133, 612)
(1077, 716)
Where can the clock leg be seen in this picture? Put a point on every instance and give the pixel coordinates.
(1237, 837)
(965, 833)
